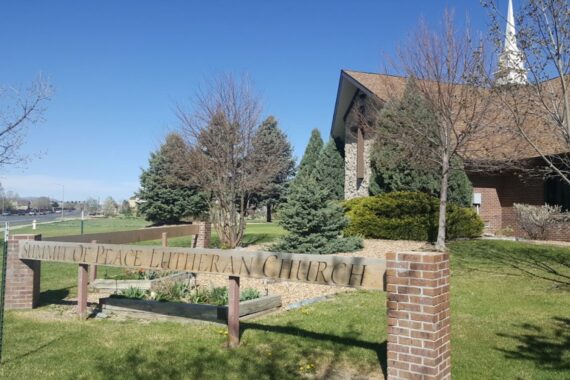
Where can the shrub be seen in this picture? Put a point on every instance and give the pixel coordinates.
(462, 223)
(407, 216)
(536, 220)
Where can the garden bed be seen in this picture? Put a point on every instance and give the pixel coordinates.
(115, 285)
(147, 309)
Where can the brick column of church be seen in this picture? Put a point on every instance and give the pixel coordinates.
(418, 315)
(204, 235)
(22, 276)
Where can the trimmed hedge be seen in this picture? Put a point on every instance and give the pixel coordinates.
(408, 216)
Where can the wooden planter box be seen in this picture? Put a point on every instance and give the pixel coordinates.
(182, 311)
(116, 285)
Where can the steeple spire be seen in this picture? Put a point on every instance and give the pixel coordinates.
(511, 68)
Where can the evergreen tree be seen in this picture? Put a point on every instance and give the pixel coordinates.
(329, 171)
(165, 192)
(313, 221)
(311, 155)
(271, 140)
(397, 166)
(126, 208)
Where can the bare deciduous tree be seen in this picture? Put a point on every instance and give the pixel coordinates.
(18, 110)
(446, 69)
(109, 207)
(538, 113)
(226, 158)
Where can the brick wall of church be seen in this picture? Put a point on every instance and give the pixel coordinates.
(499, 193)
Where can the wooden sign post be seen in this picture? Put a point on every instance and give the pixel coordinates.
(233, 312)
(82, 280)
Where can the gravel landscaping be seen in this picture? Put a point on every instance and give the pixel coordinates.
(291, 292)
(294, 292)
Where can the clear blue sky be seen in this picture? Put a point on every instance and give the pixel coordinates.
(119, 67)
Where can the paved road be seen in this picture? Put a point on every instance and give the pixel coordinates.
(18, 220)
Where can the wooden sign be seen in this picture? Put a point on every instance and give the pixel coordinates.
(355, 272)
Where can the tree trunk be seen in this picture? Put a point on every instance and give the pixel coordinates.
(440, 243)
(268, 214)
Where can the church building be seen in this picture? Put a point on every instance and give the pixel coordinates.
(359, 96)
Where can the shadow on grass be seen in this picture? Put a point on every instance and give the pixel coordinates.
(250, 361)
(34, 350)
(349, 340)
(541, 262)
(56, 296)
(138, 363)
(548, 347)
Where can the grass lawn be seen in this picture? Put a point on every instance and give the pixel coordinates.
(256, 233)
(510, 320)
(90, 226)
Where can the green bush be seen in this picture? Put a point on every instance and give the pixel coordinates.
(462, 223)
(407, 216)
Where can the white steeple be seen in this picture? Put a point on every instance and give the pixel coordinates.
(511, 68)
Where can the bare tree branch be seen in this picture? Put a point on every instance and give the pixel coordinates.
(447, 70)
(18, 110)
(225, 157)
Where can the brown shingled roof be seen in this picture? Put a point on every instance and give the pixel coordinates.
(500, 143)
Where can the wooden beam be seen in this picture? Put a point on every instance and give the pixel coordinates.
(360, 154)
(164, 239)
(348, 271)
(233, 312)
(125, 237)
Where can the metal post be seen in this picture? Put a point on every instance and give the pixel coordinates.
(233, 312)
(82, 218)
(3, 290)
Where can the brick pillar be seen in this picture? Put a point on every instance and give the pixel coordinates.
(418, 315)
(22, 276)
(202, 240)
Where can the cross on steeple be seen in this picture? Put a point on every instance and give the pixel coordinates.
(511, 68)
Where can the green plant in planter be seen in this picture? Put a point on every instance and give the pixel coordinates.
(132, 293)
(171, 291)
(219, 296)
(249, 294)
